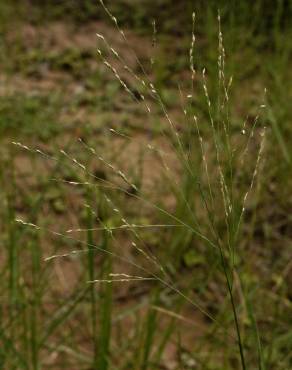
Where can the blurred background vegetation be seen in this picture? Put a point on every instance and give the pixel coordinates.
(54, 90)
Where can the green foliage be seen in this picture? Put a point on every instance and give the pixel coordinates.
(29, 115)
(220, 276)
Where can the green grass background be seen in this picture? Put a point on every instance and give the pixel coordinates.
(53, 92)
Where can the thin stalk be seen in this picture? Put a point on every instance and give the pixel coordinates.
(91, 276)
(239, 340)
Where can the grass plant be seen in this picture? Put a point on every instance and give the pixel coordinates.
(166, 223)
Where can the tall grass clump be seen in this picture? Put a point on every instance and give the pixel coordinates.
(179, 198)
